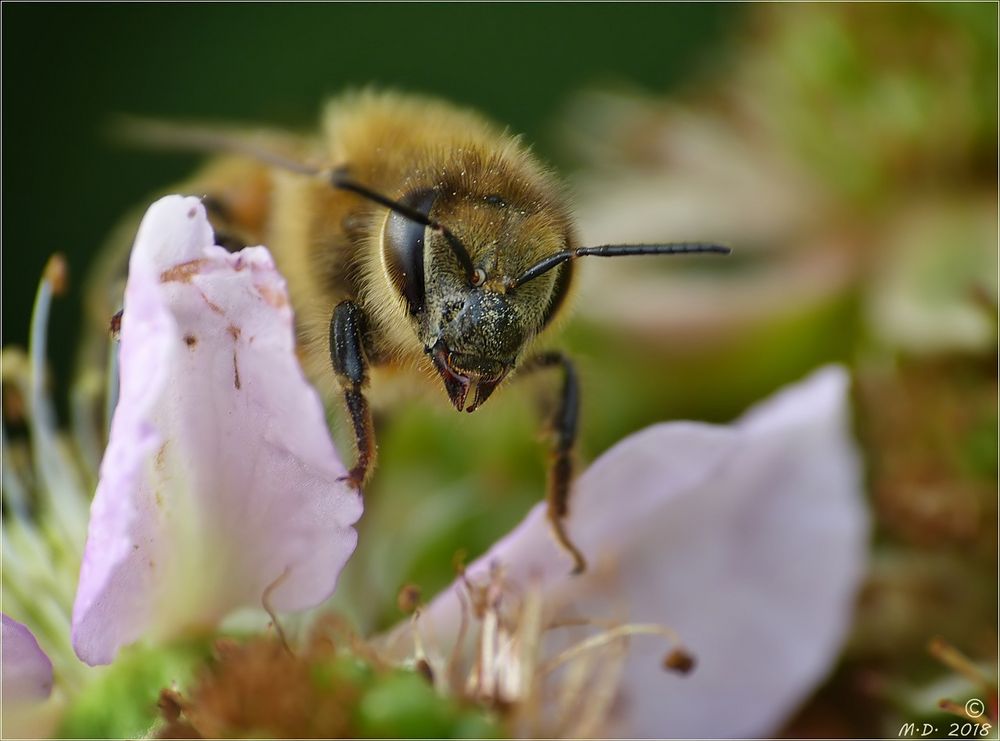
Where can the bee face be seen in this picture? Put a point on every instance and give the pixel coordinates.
(474, 345)
(473, 329)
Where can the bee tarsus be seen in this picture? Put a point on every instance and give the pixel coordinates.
(350, 365)
(564, 425)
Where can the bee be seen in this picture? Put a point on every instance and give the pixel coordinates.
(413, 235)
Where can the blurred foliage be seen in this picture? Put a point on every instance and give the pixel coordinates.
(122, 701)
(875, 100)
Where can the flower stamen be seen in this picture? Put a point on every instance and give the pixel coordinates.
(53, 467)
(265, 602)
(608, 636)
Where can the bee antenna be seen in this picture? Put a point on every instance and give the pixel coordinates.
(340, 180)
(615, 250)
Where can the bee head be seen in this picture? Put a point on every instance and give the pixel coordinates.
(474, 347)
(472, 325)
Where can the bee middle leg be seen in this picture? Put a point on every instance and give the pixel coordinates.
(564, 426)
(350, 365)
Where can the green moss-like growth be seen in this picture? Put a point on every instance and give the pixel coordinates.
(122, 702)
(333, 687)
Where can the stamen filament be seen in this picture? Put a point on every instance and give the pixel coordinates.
(958, 662)
(38, 599)
(84, 422)
(265, 601)
(594, 714)
(52, 464)
(455, 657)
(950, 706)
(112, 389)
(530, 632)
(487, 651)
(603, 639)
(15, 494)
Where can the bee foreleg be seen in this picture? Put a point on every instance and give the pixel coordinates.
(350, 364)
(564, 427)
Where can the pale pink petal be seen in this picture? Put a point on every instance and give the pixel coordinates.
(749, 540)
(27, 671)
(220, 478)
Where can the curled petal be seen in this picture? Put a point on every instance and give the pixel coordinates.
(27, 671)
(749, 540)
(220, 481)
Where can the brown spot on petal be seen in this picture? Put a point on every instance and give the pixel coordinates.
(234, 331)
(277, 299)
(190, 340)
(236, 373)
(160, 460)
(215, 308)
(182, 273)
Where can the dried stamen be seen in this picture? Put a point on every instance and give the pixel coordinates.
(408, 600)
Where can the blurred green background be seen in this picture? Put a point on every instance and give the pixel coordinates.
(847, 151)
(68, 68)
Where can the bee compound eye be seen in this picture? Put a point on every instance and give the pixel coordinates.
(403, 242)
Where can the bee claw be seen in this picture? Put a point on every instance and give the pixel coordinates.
(354, 478)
